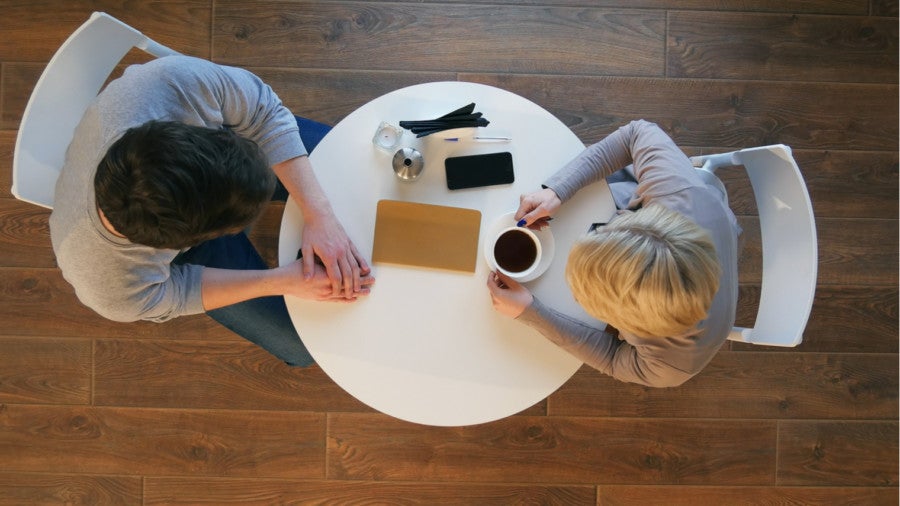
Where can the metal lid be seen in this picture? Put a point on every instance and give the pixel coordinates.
(408, 164)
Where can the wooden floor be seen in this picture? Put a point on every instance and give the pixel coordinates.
(94, 412)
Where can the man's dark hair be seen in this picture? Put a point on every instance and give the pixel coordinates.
(170, 185)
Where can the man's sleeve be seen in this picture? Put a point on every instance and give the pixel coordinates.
(236, 99)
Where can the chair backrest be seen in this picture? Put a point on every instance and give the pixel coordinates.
(67, 86)
(789, 243)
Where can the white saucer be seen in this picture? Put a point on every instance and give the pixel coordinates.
(545, 236)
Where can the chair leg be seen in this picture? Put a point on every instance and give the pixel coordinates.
(713, 162)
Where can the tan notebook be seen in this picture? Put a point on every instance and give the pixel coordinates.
(426, 235)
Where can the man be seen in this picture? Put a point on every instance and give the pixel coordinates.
(168, 166)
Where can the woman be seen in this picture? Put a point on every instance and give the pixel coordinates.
(663, 271)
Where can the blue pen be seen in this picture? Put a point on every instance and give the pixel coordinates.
(488, 139)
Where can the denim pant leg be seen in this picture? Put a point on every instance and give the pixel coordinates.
(622, 185)
(311, 132)
(263, 321)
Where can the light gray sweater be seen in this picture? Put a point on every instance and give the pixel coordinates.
(664, 176)
(120, 280)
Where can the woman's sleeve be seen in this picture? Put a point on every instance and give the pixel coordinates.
(601, 350)
(641, 143)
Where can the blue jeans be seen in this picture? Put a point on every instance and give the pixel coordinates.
(263, 321)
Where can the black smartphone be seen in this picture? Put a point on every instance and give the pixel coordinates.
(472, 171)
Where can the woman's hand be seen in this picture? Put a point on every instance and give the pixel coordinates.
(537, 208)
(508, 296)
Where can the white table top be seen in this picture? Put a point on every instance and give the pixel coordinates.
(426, 346)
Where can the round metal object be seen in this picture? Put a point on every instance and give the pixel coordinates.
(408, 164)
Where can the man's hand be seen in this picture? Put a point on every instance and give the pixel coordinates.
(508, 296)
(535, 209)
(324, 238)
(317, 286)
(223, 287)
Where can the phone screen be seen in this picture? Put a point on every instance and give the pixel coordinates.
(472, 171)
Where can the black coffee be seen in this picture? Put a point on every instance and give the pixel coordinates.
(515, 251)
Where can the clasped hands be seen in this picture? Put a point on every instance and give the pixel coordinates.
(332, 267)
(508, 296)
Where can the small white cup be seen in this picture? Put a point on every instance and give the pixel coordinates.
(387, 137)
(516, 251)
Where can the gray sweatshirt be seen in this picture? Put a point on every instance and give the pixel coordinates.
(120, 280)
(664, 176)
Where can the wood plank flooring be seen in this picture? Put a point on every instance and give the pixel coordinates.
(95, 412)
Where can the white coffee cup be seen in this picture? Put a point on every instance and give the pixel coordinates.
(516, 251)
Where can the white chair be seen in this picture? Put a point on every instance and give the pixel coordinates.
(788, 231)
(67, 86)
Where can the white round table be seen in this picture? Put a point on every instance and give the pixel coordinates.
(426, 346)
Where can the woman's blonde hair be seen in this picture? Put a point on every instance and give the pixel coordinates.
(652, 273)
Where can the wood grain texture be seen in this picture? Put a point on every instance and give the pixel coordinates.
(844, 319)
(17, 489)
(781, 47)
(553, 450)
(388, 36)
(217, 375)
(25, 235)
(39, 302)
(857, 7)
(18, 79)
(36, 29)
(728, 114)
(7, 145)
(884, 8)
(616, 495)
(747, 385)
(857, 252)
(51, 371)
(816, 453)
(176, 491)
(126, 441)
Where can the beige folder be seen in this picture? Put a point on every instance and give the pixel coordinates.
(425, 235)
